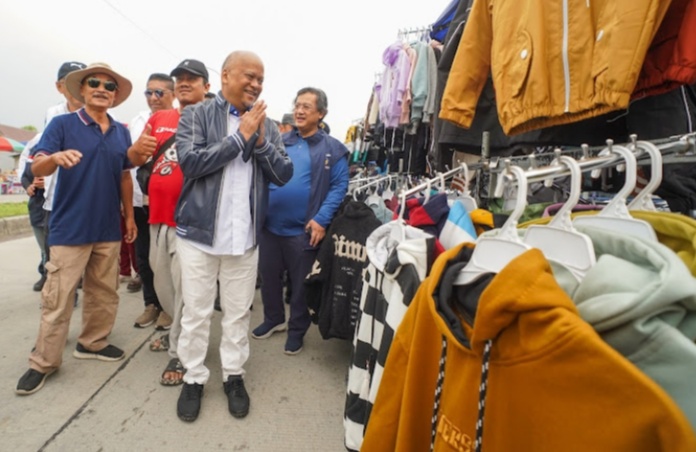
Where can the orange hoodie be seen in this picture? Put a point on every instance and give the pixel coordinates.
(553, 384)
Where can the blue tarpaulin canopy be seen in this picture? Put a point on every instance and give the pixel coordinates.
(441, 25)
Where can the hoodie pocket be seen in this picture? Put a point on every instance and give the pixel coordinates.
(520, 63)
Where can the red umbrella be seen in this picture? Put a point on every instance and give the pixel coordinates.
(10, 145)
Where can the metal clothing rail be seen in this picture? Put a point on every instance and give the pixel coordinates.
(674, 147)
(434, 181)
(376, 180)
(403, 32)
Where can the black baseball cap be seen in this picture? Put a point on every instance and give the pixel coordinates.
(194, 67)
(68, 67)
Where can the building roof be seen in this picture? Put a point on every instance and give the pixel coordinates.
(16, 133)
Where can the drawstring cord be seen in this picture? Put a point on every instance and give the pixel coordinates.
(438, 393)
(482, 395)
(483, 389)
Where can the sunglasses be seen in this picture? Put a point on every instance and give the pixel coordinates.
(157, 92)
(95, 82)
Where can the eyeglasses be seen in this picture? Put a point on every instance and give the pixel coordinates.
(304, 107)
(108, 85)
(159, 93)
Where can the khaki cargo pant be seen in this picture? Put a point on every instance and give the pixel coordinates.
(99, 263)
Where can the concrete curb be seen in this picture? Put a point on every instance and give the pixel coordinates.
(12, 227)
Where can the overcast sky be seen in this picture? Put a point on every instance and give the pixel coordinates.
(335, 46)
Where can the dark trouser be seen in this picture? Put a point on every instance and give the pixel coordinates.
(276, 255)
(127, 255)
(40, 236)
(142, 254)
(47, 249)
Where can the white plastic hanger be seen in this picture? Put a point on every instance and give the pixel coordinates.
(387, 193)
(644, 199)
(443, 186)
(492, 254)
(428, 188)
(559, 241)
(372, 196)
(615, 216)
(466, 198)
(402, 204)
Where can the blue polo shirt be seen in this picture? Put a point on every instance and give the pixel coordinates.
(287, 205)
(87, 197)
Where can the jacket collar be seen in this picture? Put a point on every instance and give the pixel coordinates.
(293, 137)
(222, 103)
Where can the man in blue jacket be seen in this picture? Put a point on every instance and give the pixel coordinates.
(229, 151)
(299, 214)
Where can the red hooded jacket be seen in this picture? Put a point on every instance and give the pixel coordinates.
(671, 59)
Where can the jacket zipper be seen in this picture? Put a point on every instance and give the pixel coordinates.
(566, 64)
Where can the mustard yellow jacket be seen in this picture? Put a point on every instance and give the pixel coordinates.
(552, 62)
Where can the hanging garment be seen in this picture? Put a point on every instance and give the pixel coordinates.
(379, 207)
(419, 81)
(529, 374)
(407, 98)
(451, 136)
(334, 283)
(641, 299)
(429, 216)
(671, 59)
(416, 144)
(550, 65)
(399, 257)
(459, 228)
(394, 83)
(677, 232)
(430, 108)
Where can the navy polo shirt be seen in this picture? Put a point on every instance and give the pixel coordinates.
(87, 197)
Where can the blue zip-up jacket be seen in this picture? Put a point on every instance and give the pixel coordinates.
(329, 163)
(203, 149)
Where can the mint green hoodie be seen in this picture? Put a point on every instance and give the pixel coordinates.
(641, 298)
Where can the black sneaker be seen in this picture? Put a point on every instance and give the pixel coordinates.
(189, 404)
(31, 381)
(237, 397)
(108, 353)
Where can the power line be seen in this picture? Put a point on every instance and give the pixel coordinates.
(145, 32)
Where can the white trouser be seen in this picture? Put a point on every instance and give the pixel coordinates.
(199, 273)
(166, 269)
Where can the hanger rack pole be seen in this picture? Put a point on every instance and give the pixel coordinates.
(374, 182)
(670, 146)
(435, 180)
(588, 164)
(676, 145)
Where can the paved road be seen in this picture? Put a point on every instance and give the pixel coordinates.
(14, 198)
(296, 401)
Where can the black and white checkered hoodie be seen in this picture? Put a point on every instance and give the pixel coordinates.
(399, 258)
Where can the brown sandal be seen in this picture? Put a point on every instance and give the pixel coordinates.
(161, 344)
(174, 366)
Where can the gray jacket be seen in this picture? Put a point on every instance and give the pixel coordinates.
(203, 149)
